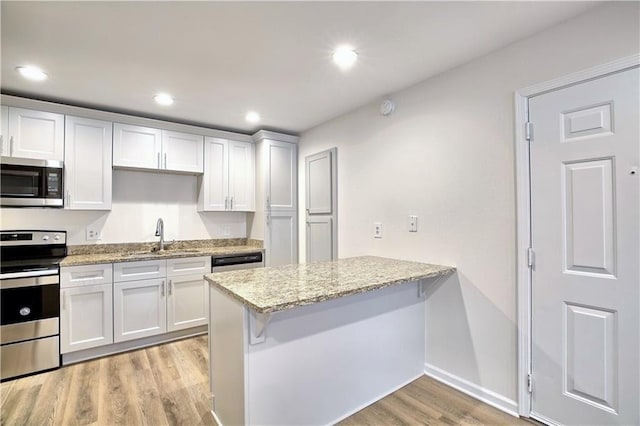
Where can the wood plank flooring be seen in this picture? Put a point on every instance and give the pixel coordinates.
(168, 385)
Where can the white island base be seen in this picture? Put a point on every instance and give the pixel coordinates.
(313, 364)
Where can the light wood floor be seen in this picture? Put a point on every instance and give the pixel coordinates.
(168, 385)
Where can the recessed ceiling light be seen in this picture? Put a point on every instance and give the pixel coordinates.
(32, 73)
(163, 99)
(345, 57)
(252, 117)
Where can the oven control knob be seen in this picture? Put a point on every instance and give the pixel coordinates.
(45, 238)
(57, 237)
(25, 311)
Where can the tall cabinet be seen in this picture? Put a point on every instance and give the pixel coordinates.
(275, 220)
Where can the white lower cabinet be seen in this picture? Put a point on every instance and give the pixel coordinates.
(86, 307)
(188, 302)
(86, 317)
(139, 309)
(102, 304)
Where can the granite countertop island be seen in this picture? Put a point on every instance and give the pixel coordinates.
(313, 343)
(278, 288)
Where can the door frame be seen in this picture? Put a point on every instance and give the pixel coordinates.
(523, 208)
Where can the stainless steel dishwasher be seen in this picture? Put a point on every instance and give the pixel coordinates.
(234, 262)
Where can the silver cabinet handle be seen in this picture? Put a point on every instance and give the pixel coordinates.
(68, 198)
(226, 203)
(170, 287)
(231, 208)
(158, 159)
(64, 300)
(162, 289)
(165, 160)
(268, 203)
(11, 146)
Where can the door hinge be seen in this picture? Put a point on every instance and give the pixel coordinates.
(528, 131)
(531, 257)
(529, 383)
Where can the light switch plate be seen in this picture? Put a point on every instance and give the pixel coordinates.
(377, 230)
(92, 233)
(413, 223)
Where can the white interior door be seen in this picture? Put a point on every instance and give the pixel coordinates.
(321, 206)
(585, 216)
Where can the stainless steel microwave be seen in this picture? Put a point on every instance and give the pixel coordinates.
(25, 182)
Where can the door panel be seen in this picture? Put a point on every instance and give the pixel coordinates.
(319, 239)
(36, 134)
(214, 184)
(188, 302)
(282, 176)
(585, 205)
(321, 209)
(88, 158)
(281, 228)
(182, 152)
(86, 317)
(241, 176)
(136, 147)
(139, 309)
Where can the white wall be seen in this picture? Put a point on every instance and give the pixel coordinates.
(447, 155)
(139, 199)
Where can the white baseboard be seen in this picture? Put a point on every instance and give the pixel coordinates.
(487, 396)
(378, 398)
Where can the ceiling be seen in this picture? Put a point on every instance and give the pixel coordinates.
(221, 59)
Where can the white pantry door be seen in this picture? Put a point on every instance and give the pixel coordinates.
(321, 202)
(585, 219)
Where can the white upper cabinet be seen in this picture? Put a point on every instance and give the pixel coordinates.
(228, 183)
(32, 134)
(87, 161)
(155, 149)
(241, 176)
(182, 152)
(4, 129)
(136, 147)
(281, 176)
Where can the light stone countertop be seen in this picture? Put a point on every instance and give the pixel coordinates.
(267, 290)
(134, 252)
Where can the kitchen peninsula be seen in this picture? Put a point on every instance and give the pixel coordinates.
(313, 343)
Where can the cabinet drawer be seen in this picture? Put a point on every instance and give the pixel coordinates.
(133, 271)
(76, 276)
(189, 266)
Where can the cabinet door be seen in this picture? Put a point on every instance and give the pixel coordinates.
(36, 134)
(182, 152)
(86, 317)
(214, 184)
(188, 302)
(139, 309)
(136, 147)
(281, 238)
(281, 175)
(87, 164)
(4, 130)
(241, 176)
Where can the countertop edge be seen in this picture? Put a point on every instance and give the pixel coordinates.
(449, 270)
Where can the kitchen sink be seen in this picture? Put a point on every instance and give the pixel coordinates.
(152, 253)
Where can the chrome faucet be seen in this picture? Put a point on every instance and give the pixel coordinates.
(160, 233)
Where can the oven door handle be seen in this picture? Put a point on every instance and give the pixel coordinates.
(28, 280)
(28, 274)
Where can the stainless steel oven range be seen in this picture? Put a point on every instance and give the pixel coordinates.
(30, 301)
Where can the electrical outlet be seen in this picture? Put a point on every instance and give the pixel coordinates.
(226, 230)
(377, 230)
(92, 233)
(413, 223)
